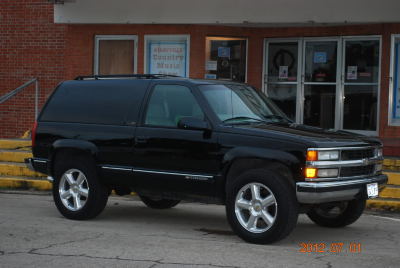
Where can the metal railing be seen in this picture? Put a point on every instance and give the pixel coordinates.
(12, 93)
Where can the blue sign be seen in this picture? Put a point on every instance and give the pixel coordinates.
(224, 52)
(320, 57)
(396, 85)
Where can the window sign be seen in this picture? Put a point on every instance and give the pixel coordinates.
(167, 55)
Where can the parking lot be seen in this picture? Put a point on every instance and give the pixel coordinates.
(128, 234)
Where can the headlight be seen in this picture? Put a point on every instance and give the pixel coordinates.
(328, 155)
(328, 173)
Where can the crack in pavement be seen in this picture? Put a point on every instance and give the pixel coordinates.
(34, 251)
(155, 262)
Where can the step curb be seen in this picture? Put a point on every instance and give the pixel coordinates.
(384, 204)
(25, 184)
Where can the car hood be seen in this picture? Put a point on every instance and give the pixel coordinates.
(312, 136)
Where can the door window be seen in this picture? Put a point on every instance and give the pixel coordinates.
(361, 74)
(169, 103)
(283, 76)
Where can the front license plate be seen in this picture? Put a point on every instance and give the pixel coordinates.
(372, 190)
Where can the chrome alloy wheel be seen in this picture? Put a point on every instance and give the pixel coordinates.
(256, 207)
(73, 189)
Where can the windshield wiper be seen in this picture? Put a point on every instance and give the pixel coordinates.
(243, 118)
(275, 116)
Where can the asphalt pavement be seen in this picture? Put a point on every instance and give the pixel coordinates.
(128, 234)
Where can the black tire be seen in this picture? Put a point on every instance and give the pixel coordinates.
(285, 211)
(97, 197)
(159, 203)
(337, 214)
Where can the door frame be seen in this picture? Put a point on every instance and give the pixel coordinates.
(340, 75)
(393, 76)
(97, 40)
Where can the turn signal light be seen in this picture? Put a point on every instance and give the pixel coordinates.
(312, 155)
(311, 173)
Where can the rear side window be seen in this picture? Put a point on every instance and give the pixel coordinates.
(95, 102)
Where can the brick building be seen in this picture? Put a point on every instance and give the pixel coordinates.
(333, 65)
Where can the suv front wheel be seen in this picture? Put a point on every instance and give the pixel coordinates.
(77, 191)
(261, 206)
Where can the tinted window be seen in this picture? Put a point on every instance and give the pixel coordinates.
(100, 102)
(169, 103)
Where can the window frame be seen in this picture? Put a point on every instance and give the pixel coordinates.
(99, 38)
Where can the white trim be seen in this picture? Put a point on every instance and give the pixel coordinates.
(392, 121)
(167, 37)
(113, 37)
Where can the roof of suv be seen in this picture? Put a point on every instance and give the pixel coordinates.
(158, 77)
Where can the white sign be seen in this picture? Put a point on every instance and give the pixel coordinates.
(283, 72)
(352, 73)
(211, 65)
(167, 58)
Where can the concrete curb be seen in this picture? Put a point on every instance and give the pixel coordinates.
(25, 184)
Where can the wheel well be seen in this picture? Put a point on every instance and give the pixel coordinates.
(240, 166)
(67, 153)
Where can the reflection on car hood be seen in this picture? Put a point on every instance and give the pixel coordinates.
(321, 137)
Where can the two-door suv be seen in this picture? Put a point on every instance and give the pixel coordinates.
(170, 139)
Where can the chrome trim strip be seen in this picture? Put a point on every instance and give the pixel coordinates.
(345, 163)
(342, 178)
(171, 173)
(40, 161)
(344, 148)
(117, 168)
(158, 172)
(50, 179)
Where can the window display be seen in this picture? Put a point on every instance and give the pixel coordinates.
(226, 58)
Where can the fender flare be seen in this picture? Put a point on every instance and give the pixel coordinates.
(79, 145)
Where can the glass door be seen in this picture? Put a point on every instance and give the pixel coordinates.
(331, 83)
(360, 84)
(282, 75)
(320, 74)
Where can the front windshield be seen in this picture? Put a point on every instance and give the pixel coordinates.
(238, 104)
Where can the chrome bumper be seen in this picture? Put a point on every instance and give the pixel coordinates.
(322, 192)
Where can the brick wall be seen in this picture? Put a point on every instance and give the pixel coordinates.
(31, 46)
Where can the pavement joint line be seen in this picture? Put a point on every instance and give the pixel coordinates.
(387, 218)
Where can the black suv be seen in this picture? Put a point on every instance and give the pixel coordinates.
(170, 139)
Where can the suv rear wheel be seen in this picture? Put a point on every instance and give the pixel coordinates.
(338, 214)
(159, 203)
(261, 206)
(77, 191)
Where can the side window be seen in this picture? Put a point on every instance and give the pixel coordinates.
(169, 103)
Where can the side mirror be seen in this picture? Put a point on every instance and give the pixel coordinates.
(193, 123)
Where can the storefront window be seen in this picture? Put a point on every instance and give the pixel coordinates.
(226, 58)
(395, 105)
(167, 54)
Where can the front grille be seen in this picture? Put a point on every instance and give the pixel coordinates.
(357, 171)
(357, 154)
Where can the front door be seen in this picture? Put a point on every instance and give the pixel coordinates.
(169, 158)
